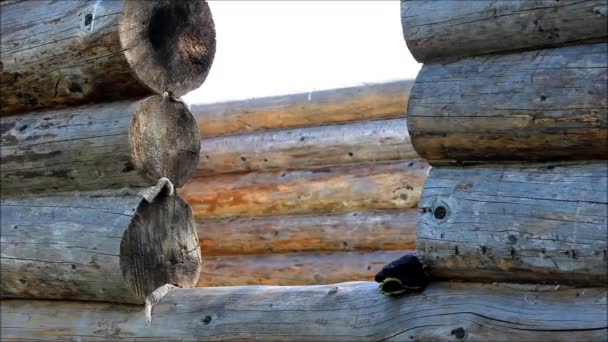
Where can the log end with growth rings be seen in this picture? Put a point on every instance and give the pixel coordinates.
(164, 139)
(160, 246)
(169, 44)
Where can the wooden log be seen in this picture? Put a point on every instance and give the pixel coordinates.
(306, 147)
(57, 53)
(112, 246)
(394, 185)
(543, 223)
(339, 312)
(120, 144)
(445, 29)
(359, 231)
(315, 108)
(535, 106)
(294, 269)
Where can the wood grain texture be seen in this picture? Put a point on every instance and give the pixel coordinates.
(395, 185)
(57, 53)
(359, 231)
(294, 269)
(431, 28)
(338, 312)
(315, 108)
(113, 145)
(536, 223)
(359, 142)
(535, 106)
(112, 246)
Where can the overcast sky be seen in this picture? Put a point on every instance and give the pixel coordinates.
(267, 48)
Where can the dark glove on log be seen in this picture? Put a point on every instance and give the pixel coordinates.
(402, 276)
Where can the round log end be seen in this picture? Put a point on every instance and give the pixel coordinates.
(160, 246)
(169, 44)
(164, 139)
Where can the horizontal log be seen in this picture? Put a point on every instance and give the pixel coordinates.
(367, 231)
(293, 269)
(114, 247)
(432, 27)
(315, 108)
(306, 147)
(57, 53)
(350, 188)
(534, 106)
(543, 223)
(339, 312)
(113, 145)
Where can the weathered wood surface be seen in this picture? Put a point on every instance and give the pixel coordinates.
(349, 143)
(339, 312)
(57, 53)
(315, 108)
(114, 145)
(538, 105)
(445, 29)
(117, 247)
(545, 223)
(359, 231)
(294, 269)
(395, 185)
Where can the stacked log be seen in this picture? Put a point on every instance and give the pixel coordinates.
(90, 156)
(303, 189)
(514, 120)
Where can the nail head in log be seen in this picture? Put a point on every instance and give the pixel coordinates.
(314, 108)
(538, 223)
(368, 231)
(114, 247)
(395, 185)
(432, 27)
(348, 312)
(113, 145)
(73, 52)
(349, 143)
(544, 105)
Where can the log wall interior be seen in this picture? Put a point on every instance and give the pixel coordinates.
(302, 189)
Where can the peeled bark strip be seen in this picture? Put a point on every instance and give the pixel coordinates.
(534, 106)
(114, 247)
(315, 108)
(445, 29)
(360, 231)
(294, 269)
(73, 52)
(338, 312)
(305, 147)
(544, 223)
(331, 189)
(115, 145)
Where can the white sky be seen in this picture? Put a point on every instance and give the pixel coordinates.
(267, 48)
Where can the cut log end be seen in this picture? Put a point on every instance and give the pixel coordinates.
(164, 139)
(174, 47)
(160, 246)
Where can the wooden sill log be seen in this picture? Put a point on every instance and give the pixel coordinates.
(431, 28)
(113, 145)
(315, 108)
(360, 231)
(544, 223)
(111, 246)
(338, 312)
(534, 106)
(351, 188)
(305, 147)
(58, 53)
(294, 269)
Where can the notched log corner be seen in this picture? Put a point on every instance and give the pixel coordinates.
(115, 246)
